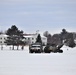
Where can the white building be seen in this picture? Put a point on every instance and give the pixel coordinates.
(31, 38)
(3, 37)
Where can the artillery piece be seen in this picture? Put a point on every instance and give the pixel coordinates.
(53, 48)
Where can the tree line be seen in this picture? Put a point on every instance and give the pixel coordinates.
(16, 38)
(63, 37)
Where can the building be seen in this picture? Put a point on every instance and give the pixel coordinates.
(28, 38)
(31, 38)
(3, 37)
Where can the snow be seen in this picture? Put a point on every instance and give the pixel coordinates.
(21, 62)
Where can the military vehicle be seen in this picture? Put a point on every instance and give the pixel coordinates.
(35, 48)
(53, 48)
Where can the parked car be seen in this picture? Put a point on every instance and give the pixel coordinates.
(35, 48)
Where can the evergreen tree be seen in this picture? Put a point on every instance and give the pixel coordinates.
(39, 39)
(15, 36)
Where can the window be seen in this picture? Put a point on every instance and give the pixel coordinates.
(0, 38)
(5, 38)
(28, 38)
(32, 38)
(0, 41)
(5, 42)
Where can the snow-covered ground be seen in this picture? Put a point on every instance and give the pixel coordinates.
(18, 62)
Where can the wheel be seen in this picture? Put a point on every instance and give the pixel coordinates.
(60, 51)
(39, 51)
(30, 51)
(55, 51)
(36, 51)
(47, 51)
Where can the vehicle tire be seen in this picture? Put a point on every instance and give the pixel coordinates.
(47, 51)
(39, 51)
(36, 51)
(30, 51)
(55, 51)
(60, 51)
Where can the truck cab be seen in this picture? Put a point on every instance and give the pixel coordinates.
(35, 48)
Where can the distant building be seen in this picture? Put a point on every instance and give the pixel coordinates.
(3, 37)
(31, 38)
(28, 38)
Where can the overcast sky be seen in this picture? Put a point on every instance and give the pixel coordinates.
(43, 15)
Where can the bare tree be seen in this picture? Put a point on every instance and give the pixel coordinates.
(46, 33)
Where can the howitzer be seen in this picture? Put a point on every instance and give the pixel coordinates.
(53, 48)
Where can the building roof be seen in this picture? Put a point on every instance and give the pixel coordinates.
(29, 36)
(4, 35)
